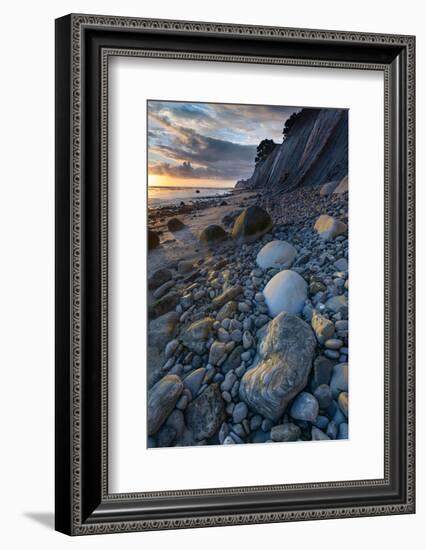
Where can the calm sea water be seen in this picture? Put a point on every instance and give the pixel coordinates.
(172, 196)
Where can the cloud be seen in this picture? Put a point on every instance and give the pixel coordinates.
(206, 140)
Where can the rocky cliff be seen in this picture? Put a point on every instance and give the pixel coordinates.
(314, 152)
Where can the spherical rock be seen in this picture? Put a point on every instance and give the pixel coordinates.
(286, 291)
(252, 223)
(213, 233)
(174, 224)
(278, 254)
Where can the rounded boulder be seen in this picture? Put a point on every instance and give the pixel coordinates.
(276, 254)
(286, 291)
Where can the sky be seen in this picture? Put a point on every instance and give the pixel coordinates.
(208, 144)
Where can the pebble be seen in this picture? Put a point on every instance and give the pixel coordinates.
(324, 396)
(228, 440)
(285, 432)
(333, 344)
(223, 335)
(171, 348)
(247, 340)
(223, 433)
(240, 412)
(332, 429)
(236, 335)
(305, 407)
(343, 431)
(343, 401)
(217, 352)
(246, 356)
(243, 307)
(255, 422)
(229, 381)
(331, 354)
(267, 425)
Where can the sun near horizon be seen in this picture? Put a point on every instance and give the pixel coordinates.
(155, 180)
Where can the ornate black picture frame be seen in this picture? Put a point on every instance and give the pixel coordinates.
(83, 45)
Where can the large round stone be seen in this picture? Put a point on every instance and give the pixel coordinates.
(213, 233)
(277, 254)
(286, 291)
(281, 366)
(175, 224)
(328, 227)
(252, 223)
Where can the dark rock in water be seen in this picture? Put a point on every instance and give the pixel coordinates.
(285, 432)
(205, 415)
(159, 277)
(197, 334)
(162, 329)
(281, 366)
(213, 233)
(223, 203)
(163, 305)
(197, 190)
(252, 223)
(182, 203)
(153, 239)
(174, 224)
(162, 399)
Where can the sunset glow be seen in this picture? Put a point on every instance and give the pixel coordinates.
(207, 144)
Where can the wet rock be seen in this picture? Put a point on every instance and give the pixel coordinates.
(196, 335)
(206, 413)
(328, 188)
(318, 435)
(281, 367)
(163, 305)
(159, 277)
(193, 381)
(305, 407)
(233, 360)
(217, 352)
(162, 398)
(323, 327)
(227, 311)
(343, 401)
(162, 329)
(285, 432)
(337, 304)
(339, 379)
(342, 187)
(185, 266)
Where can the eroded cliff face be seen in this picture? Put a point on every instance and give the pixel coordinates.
(315, 152)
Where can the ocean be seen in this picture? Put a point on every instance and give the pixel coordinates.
(172, 196)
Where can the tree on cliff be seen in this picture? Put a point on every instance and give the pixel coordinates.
(264, 149)
(289, 124)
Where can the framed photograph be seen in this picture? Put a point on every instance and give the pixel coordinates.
(234, 259)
